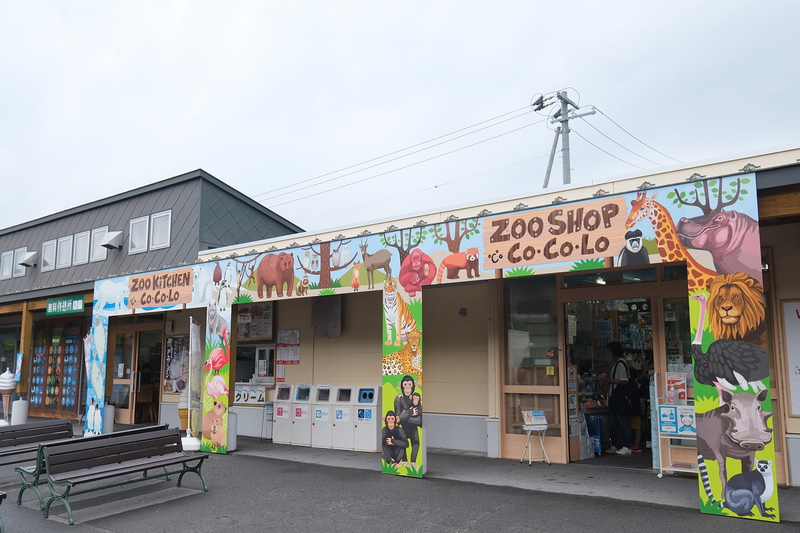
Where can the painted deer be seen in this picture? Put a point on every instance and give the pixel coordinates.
(373, 262)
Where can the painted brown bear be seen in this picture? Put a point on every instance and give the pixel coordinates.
(275, 269)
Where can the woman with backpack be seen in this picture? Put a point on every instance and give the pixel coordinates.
(618, 403)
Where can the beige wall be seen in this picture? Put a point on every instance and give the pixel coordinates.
(455, 349)
(354, 358)
(785, 243)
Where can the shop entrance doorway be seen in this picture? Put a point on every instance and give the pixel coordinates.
(646, 309)
(591, 327)
(138, 353)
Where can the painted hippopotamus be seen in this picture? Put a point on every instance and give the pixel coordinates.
(730, 236)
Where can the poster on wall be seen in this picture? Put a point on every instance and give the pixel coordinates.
(176, 364)
(402, 396)
(791, 327)
(288, 347)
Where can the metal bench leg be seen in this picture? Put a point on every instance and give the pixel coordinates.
(197, 470)
(54, 495)
(32, 484)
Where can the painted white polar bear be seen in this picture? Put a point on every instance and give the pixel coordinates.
(110, 292)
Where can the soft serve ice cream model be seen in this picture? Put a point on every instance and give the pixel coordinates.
(7, 388)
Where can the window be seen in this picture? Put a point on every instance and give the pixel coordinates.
(138, 235)
(64, 252)
(160, 230)
(98, 252)
(80, 250)
(48, 256)
(7, 265)
(19, 255)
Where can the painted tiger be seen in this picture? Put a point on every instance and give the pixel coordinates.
(407, 360)
(396, 313)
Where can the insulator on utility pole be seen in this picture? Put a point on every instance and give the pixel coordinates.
(562, 115)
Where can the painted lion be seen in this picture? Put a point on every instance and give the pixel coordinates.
(737, 308)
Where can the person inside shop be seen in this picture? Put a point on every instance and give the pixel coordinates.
(394, 442)
(409, 416)
(618, 404)
(635, 416)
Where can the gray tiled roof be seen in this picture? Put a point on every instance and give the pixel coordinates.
(206, 213)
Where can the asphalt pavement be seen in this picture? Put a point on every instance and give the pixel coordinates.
(269, 487)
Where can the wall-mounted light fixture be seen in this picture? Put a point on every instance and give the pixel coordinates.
(30, 259)
(112, 240)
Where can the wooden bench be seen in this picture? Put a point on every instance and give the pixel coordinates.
(34, 475)
(82, 461)
(24, 439)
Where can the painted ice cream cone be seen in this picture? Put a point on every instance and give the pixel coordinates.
(183, 408)
(184, 416)
(7, 388)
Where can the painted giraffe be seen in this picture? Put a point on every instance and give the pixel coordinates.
(669, 247)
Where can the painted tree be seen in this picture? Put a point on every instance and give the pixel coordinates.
(452, 232)
(701, 195)
(244, 272)
(404, 240)
(329, 261)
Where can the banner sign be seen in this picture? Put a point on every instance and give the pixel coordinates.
(65, 305)
(160, 289)
(575, 232)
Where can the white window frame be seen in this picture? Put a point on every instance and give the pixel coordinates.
(48, 256)
(135, 223)
(19, 255)
(84, 258)
(98, 234)
(64, 244)
(153, 219)
(7, 265)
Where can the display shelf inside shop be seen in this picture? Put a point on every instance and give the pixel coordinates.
(666, 448)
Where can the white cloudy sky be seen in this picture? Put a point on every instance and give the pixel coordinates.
(277, 98)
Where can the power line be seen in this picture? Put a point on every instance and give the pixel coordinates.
(417, 192)
(404, 167)
(525, 109)
(639, 140)
(618, 144)
(604, 151)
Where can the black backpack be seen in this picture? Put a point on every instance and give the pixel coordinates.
(625, 398)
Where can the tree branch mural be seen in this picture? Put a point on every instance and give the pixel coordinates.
(404, 240)
(325, 261)
(452, 232)
(703, 191)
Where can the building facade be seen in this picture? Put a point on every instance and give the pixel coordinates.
(48, 269)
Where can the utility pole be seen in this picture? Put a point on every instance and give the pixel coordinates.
(562, 115)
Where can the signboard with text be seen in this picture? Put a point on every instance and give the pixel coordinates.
(566, 233)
